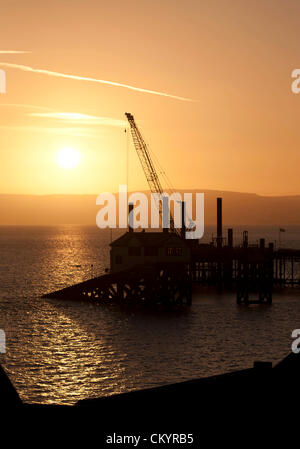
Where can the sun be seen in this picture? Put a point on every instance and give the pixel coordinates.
(68, 158)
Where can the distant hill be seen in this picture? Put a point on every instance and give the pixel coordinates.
(238, 209)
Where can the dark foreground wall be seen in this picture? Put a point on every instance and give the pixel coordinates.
(238, 408)
(8, 395)
(261, 383)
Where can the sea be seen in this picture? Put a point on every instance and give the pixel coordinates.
(58, 352)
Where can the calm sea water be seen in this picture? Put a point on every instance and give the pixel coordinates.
(60, 352)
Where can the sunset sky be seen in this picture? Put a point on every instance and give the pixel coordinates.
(228, 119)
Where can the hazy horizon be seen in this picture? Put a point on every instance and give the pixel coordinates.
(238, 208)
(148, 191)
(182, 189)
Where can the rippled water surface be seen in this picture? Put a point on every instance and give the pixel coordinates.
(60, 352)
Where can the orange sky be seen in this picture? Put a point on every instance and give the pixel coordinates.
(233, 57)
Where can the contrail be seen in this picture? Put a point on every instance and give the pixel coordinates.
(26, 68)
(12, 52)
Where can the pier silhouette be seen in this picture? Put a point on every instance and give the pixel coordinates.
(160, 268)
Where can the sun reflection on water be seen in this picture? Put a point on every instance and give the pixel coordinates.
(63, 351)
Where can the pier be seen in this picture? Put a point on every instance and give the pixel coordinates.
(252, 272)
(161, 284)
(159, 268)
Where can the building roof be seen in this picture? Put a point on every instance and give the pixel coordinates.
(148, 238)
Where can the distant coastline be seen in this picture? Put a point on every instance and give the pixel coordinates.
(238, 209)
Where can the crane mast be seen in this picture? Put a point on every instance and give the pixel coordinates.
(147, 165)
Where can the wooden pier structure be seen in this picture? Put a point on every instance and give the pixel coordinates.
(247, 270)
(250, 270)
(161, 284)
(287, 268)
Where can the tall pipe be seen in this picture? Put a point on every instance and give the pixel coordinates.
(130, 217)
(230, 237)
(219, 223)
(245, 239)
(261, 243)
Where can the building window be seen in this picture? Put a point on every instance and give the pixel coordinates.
(134, 250)
(172, 251)
(118, 259)
(151, 251)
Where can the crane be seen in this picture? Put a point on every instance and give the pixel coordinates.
(148, 166)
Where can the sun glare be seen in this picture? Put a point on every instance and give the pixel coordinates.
(68, 158)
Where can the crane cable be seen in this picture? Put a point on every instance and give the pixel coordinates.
(158, 165)
(127, 156)
(164, 175)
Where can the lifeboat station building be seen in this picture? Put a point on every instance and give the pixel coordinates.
(143, 248)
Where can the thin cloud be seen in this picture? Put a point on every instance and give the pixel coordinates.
(71, 117)
(13, 52)
(80, 118)
(26, 68)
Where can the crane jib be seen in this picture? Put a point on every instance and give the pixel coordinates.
(147, 164)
